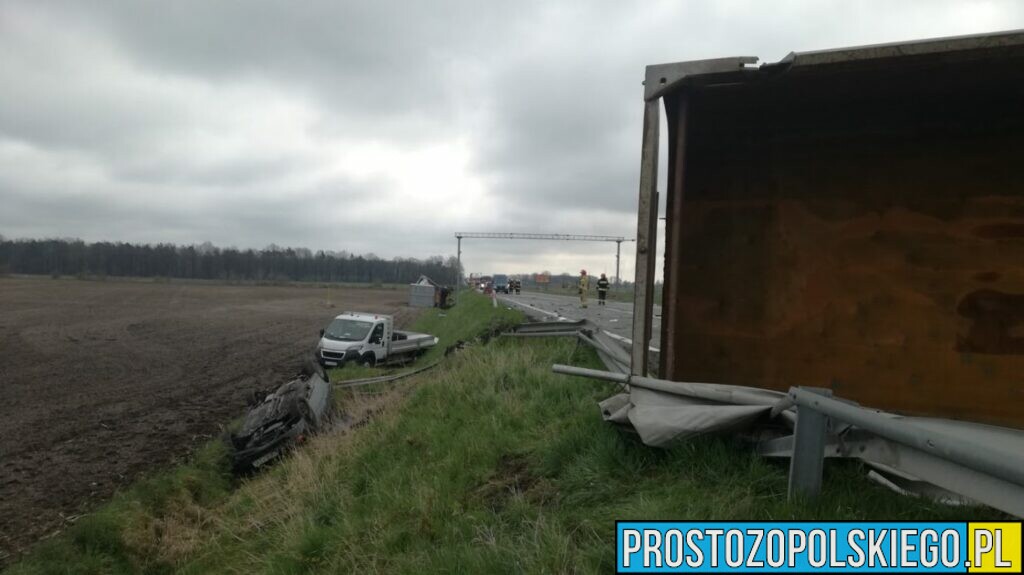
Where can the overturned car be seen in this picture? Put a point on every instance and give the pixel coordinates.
(286, 417)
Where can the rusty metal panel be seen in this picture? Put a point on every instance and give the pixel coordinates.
(954, 45)
(646, 240)
(855, 229)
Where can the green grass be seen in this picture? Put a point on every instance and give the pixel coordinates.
(127, 534)
(487, 464)
(119, 537)
(472, 316)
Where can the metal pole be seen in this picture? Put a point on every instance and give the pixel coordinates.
(459, 258)
(731, 394)
(618, 252)
(646, 242)
(805, 467)
(1000, 463)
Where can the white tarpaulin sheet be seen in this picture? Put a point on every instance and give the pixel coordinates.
(662, 418)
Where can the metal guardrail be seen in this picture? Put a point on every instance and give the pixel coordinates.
(611, 353)
(1003, 464)
(987, 467)
(979, 463)
(975, 462)
(729, 394)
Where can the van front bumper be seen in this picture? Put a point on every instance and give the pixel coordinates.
(336, 358)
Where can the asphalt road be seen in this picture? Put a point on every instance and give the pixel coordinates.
(615, 318)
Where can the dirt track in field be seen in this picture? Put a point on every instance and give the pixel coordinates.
(101, 381)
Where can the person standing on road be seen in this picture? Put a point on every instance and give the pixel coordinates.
(584, 285)
(602, 290)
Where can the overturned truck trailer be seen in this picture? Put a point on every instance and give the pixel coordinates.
(850, 220)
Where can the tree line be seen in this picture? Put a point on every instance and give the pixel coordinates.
(206, 261)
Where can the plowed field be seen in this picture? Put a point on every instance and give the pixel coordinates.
(101, 381)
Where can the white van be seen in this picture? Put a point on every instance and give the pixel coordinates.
(368, 339)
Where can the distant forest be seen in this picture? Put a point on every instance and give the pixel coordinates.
(206, 261)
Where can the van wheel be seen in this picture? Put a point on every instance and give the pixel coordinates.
(368, 359)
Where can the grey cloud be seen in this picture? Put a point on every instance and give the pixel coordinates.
(235, 172)
(238, 122)
(382, 58)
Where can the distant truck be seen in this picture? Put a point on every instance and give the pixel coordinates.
(368, 339)
(501, 283)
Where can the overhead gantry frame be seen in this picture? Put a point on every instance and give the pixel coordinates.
(557, 237)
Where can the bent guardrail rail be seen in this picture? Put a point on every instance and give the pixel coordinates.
(982, 462)
(970, 461)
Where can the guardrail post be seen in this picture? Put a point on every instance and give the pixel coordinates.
(805, 467)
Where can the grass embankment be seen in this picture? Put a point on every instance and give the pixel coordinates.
(488, 463)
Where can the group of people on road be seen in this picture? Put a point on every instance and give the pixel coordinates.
(584, 286)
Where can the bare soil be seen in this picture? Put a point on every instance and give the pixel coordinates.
(101, 381)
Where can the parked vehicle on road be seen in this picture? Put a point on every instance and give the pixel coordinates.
(501, 283)
(368, 339)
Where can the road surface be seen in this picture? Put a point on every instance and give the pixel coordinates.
(615, 318)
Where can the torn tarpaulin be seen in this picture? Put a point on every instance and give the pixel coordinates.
(663, 418)
(664, 411)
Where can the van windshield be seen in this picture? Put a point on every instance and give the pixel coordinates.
(348, 330)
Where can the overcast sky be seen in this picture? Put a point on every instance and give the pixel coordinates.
(374, 126)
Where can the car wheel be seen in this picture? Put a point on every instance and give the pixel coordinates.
(368, 359)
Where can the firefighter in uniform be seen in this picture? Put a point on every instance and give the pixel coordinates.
(584, 285)
(602, 290)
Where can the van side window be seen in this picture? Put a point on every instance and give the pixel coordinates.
(378, 334)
